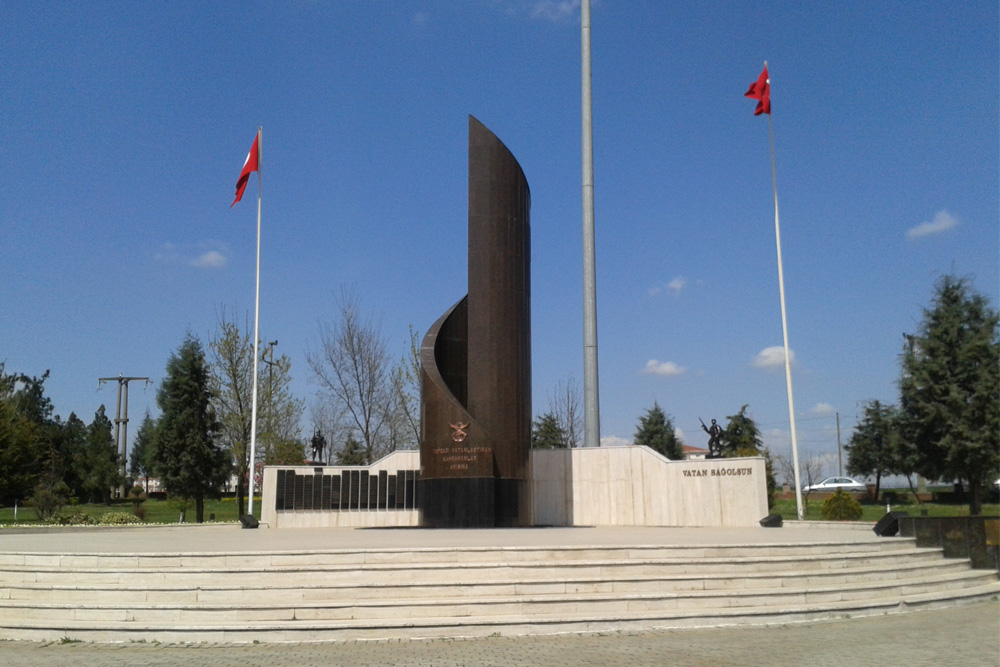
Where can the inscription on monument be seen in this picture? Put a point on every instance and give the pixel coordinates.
(719, 472)
(463, 458)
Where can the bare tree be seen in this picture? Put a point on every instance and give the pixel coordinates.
(232, 389)
(405, 420)
(278, 412)
(564, 404)
(353, 371)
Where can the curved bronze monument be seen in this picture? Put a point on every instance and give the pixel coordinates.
(476, 378)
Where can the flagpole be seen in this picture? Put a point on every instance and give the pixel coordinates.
(256, 336)
(784, 324)
(591, 402)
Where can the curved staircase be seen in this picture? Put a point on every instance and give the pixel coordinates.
(337, 594)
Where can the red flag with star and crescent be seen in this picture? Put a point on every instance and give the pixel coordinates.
(251, 165)
(760, 90)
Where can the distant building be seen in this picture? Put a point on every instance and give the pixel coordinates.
(694, 453)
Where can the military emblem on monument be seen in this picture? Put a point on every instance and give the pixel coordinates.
(460, 432)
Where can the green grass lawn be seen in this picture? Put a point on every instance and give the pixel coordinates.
(875, 511)
(157, 511)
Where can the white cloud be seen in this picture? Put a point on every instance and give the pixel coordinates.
(675, 285)
(554, 10)
(942, 222)
(773, 357)
(201, 255)
(654, 367)
(614, 441)
(421, 19)
(213, 259)
(679, 434)
(822, 409)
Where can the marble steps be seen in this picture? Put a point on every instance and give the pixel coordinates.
(321, 596)
(409, 587)
(459, 604)
(432, 573)
(437, 555)
(396, 627)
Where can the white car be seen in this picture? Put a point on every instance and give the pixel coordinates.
(834, 483)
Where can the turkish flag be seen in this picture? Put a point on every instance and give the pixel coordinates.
(760, 90)
(251, 165)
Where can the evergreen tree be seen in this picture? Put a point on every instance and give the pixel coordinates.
(25, 418)
(72, 446)
(656, 431)
(741, 433)
(742, 438)
(99, 472)
(352, 453)
(874, 445)
(949, 386)
(141, 463)
(188, 458)
(546, 433)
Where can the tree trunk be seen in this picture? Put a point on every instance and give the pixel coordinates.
(240, 495)
(878, 483)
(199, 509)
(975, 496)
(909, 482)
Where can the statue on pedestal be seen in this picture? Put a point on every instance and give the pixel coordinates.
(714, 439)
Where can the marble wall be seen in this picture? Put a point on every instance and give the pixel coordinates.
(635, 486)
(606, 486)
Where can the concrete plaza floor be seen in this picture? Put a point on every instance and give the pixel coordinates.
(230, 538)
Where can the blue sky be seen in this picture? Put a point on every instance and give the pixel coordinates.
(124, 127)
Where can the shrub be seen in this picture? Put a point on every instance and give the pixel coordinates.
(48, 499)
(75, 518)
(117, 519)
(140, 512)
(841, 507)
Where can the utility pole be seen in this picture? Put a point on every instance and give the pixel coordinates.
(840, 458)
(121, 423)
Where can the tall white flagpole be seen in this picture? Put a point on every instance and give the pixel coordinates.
(256, 337)
(591, 403)
(784, 323)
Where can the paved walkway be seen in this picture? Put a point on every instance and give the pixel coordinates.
(967, 635)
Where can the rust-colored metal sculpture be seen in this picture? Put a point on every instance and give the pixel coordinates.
(476, 378)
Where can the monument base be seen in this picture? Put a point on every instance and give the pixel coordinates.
(471, 502)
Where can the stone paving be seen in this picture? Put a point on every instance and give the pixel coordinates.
(967, 635)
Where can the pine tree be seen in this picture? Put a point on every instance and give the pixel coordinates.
(949, 386)
(741, 433)
(141, 461)
(874, 445)
(656, 431)
(188, 458)
(546, 433)
(742, 438)
(352, 453)
(99, 472)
